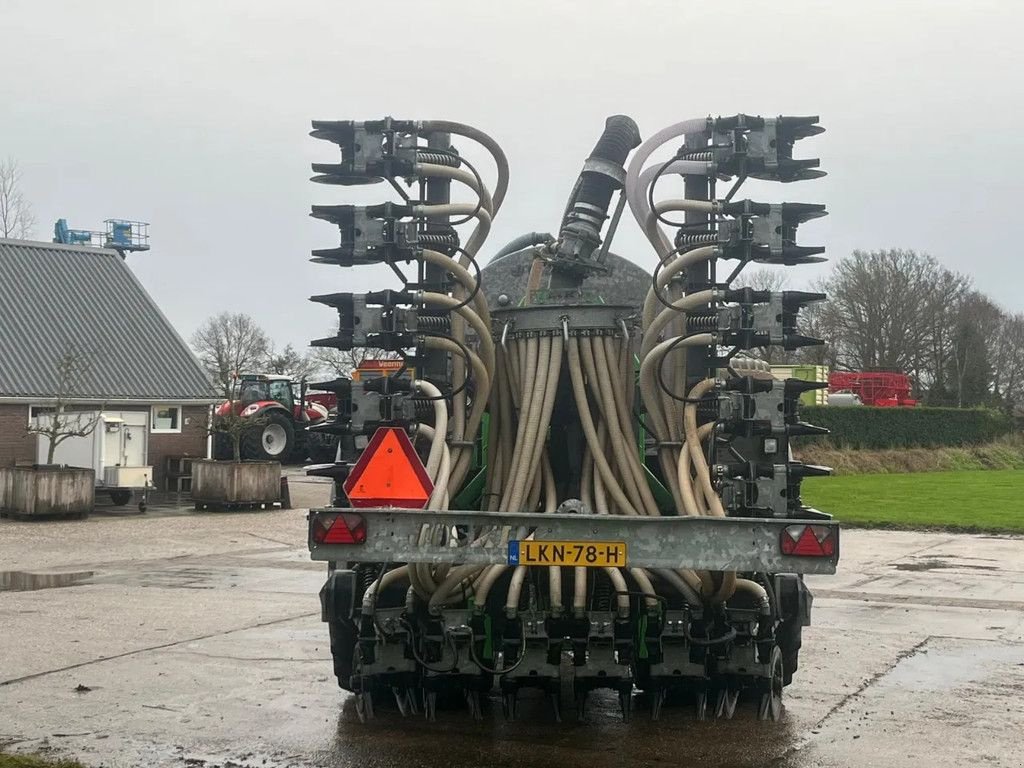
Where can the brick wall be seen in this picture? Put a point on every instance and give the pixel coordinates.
(190, 442)
(18, 447)
(15, 445)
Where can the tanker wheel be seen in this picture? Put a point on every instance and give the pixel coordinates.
(120, 498)
(343, 647)
(770, 688)
(273, 441)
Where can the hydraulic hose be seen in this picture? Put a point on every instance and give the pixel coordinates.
(468, 131)
(757, 593)
(587, 421)
(554, 571)
(690, 595)
(636, 195)
(379, 585)
(696, 452)
(666, 274)
(676, 167)
(550, 505)
(579, 592)
(521, 243)
(467, 280)
(547, 407)
(471, 317)
(483, 382)
(621, 591)
(460, 175)
(649, 388)
(480, 232)
(598, 371)
(529, 420)
(644, 582)
(440, 424)
(515, 588)
(667, 315)
(455, 577)
(692, 504)
(486, 583)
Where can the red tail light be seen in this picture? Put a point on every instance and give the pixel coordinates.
(345, 528)
(808, 541)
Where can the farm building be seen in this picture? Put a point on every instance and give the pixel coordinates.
(77, 327)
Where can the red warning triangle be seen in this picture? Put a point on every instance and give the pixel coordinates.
(389, 473)
(808, 545)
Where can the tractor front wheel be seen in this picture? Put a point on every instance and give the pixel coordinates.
(273, 441)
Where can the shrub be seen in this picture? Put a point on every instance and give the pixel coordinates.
(866, 427)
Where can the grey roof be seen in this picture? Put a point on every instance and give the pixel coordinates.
(56, 299)
(624, 283)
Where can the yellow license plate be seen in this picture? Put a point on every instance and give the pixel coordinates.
(588, 554)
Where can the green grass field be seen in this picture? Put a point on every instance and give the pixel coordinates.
(982, 500)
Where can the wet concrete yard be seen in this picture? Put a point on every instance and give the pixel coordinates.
(182, 639)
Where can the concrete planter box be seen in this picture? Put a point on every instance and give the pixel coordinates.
(47, 491)
(235, 483)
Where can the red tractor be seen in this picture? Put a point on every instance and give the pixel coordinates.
(282, 415)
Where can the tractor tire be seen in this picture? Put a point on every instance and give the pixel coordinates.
(322, 452)
(301, 449)
(274, 441)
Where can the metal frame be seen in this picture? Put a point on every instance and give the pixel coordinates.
(703, 543)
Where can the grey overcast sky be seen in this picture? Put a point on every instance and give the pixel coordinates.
(193, 115)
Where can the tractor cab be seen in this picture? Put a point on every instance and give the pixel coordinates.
(255, 388)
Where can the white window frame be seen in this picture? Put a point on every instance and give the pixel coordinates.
(154, 430)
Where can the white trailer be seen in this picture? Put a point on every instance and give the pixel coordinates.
(117, 449)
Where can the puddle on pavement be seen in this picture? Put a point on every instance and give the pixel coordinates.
(26, 581)
(932, 565)
(942, 668)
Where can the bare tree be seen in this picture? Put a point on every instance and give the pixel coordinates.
(893, 310)
(288, 361)
(976, 324)
(229, 345)
(59, 423)
(1008, 362)
(766, 279)
(815, 320)
(232, 427)
(16, 217)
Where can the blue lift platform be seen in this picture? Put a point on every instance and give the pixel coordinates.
(121, 235)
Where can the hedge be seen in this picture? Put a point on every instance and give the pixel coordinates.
(867, 427)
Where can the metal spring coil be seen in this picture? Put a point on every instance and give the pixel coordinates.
(690, 239)
(424, 410)
(699, 323)
(437, 158)
(433, 238)
(367, 574)
(433, 323)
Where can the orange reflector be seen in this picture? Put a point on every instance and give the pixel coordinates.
(339, 529)
(807, 541)
(389, 473)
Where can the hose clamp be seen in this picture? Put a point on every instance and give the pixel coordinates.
(606, 168)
